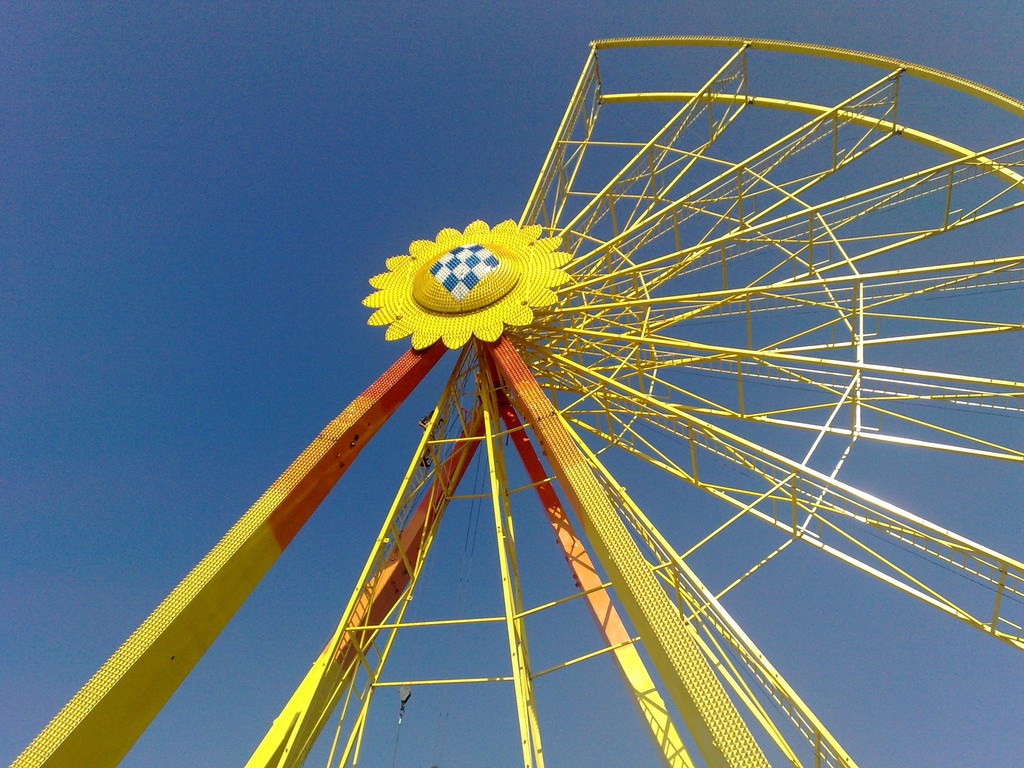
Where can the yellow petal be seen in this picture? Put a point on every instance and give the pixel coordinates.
(505, 229)
(382, 316)
(456, 335)
(533, 231)
(398, 263)
(518, 314)
(397, 330)
(382, 281)
(476, 232)
(547, 244)
(424, 337)
(422, 248)
(556, 277)
(375, 300)
(552, 260)
(540, 296)
(490, 329)
(448, 238)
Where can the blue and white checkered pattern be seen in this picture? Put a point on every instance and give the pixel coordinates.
(461, 269)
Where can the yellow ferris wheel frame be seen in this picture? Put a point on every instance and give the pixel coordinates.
(573, 336)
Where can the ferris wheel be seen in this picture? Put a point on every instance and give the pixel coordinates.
(740, 317)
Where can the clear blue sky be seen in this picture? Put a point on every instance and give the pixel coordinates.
(193, 199)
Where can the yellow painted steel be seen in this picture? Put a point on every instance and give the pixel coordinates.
(731, 75)
(522, 678)
(638, 681)
(717, 727)
(838, 212)
(556, 159)
(705, 609)
(100, 724)
(830, 52)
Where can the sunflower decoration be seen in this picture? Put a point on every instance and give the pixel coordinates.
(465, 284)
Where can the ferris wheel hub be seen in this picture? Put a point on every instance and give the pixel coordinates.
(467, 284)
(465, 279)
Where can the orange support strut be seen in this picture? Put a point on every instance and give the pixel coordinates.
(649, 702)
(103, 720)
(303, 717)
(717, 727)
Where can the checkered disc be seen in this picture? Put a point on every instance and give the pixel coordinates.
(461, 269)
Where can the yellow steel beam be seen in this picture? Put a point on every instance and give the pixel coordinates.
(1014, 106)
(760, 164)
(706, 610)
(790, 228)
(103, 720)
(384, 580)
(667, 342)
(623, 179)
(553, 163)
(638, 681)
(529, 730)
(718, 729)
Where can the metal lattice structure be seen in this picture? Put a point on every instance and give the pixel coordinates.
(718, 289)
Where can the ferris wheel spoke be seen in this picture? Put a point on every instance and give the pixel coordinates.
(550, 192)
(812, 242)
(834, 293)
(895, 396)
(863, 396)
(721, 636)
(857, 323)
(621, 417)
(828, 382)
(809, 241)
(751, 189)
(658, 164)
(837, 313)
(783, 492)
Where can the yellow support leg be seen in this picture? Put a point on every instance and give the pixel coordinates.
(634, 672)
(718, 729)
(384, 581)
(529, 730)
(102, 721)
